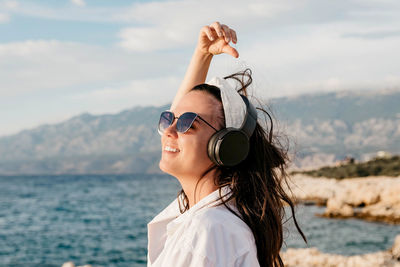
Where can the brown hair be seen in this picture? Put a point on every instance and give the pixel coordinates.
(257, 183)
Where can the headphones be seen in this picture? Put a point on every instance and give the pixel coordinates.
(230, 146)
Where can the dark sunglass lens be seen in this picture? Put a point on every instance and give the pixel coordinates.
(185, 121)
(166, 120)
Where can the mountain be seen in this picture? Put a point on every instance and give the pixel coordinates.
(328, 127)
(322, 128)
(122, 143)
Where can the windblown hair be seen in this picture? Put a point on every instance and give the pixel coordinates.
(257, 183)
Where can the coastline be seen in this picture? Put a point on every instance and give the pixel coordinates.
(374, 198)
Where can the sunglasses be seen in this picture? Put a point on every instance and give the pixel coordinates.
(183, 123)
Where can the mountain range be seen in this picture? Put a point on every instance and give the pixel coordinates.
(321, 128)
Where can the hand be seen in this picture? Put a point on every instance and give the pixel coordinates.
(215, 39)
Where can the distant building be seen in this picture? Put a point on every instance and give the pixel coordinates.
(345, 161)
(383, 154)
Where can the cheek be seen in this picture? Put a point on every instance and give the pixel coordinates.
(196, 149)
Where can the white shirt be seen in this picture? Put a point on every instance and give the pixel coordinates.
(205, 235)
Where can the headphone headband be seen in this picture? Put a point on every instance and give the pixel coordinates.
(250, 120)
(234, 105)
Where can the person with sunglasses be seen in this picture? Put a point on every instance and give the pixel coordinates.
(231, 169)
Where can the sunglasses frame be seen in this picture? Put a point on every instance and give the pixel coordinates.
(177, 118)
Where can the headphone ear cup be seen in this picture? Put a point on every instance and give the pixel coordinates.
(212, 146)
(228, 147)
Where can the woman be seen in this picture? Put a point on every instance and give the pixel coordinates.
(230, 209)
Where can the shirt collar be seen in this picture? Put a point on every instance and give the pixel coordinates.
(169, 213)
(168, 220)
(172, 211)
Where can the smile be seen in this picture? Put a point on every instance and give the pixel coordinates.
(170, 149)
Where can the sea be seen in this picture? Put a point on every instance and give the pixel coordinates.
(102, 220)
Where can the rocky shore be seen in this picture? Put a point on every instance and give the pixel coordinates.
(370, 198)
(312, 257)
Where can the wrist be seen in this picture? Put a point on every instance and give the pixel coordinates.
(201, 54)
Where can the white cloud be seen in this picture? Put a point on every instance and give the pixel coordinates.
(4, 18)
(323, 60)
(175, 24)
(73, 12)
(10, 4)
(45, 65)
(78, 2)
(48, 80)
(5, 8)
(149, 39)
(154, 91)
(292, 47)
(42, 65)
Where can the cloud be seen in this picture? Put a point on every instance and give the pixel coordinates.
(4, 18)
(5, 8)
(73, 12)
(322, 60)
(78, 2)
(49, 65)
(309, 43)
(153, 91)
(48, 80)
(373, 34)
(10, 4)
(39, 65)
(170, 25)
(149, 39)
(292, 47)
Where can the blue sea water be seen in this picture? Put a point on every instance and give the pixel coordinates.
(101, 220)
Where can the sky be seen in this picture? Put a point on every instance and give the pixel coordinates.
(61, 58)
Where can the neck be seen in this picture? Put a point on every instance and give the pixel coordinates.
(196, 189)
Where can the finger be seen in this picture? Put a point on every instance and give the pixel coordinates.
(230, 51)
(227, 33)
(209, 33)
(217, 27)
(234, 36)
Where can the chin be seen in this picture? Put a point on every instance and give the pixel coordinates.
(165, 168)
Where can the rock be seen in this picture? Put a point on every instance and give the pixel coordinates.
(362, 191)
(375, 198)
(312, 257)
(316, 190)
(382, 211)
(337, 208)
(395, 250)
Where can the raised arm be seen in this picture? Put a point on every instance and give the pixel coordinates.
(213, 40)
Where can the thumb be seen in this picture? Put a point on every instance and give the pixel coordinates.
(230, 51)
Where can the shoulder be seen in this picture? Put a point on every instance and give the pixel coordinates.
(221, 236)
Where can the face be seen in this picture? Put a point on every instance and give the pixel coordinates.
(190, 159)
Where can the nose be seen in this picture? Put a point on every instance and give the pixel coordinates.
(171, 130)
